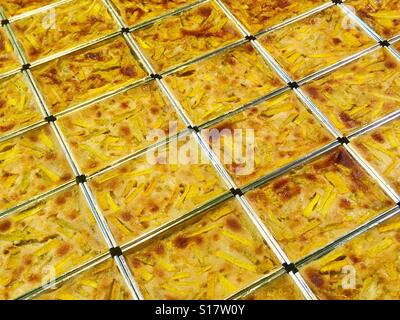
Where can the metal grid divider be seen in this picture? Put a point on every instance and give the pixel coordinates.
(36, 199)
(376, 124)
(99, 218)
(9, 73)
(294, 19)
(96, 40)
(173, 69)
(385, 186)
(74, 49)
(321, 117)
(337, 65)
(207, 55)
(23, 130)
(298, 279)
(202, 126)
(356, 155)
(258, 284)
(317, 113)
(349, 236)
(38, 10)
(264, 232)
(395, 39)
(368, 30)
(66, 276)
(154, 20)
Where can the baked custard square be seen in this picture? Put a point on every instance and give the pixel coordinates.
(63, 27)
(86, 74)
(382, 15)
(212, 258)
(31, 164)
(266, 137)
(8, 58)
(282, 288)
(107, 131)
(155, 188)
(325, 39)
(261, 14)
(102, 282)
(222, 83)
(45, 241)
(359, 93)
(134, 12)
(14, 8)
(188, 35)
(18, 108)
(366, 268)
(381, 148)
(313, 205)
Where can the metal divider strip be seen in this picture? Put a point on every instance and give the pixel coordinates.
(99, 218)
(302, 285)
(124, 269)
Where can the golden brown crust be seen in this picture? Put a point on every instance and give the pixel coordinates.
(136, 11)
(103, 282)
(382, 15)
(45, 241)
(325, 39)
(30, 165)
(257, 15)
(315, 204)
(75, 23)
(220, 84)
(210, 259)
(372, 258)
(18, 108)
(108, 131)
(282, 288)
(283, 130)
(8, 59)
(178, 39)
(359, 93)
(381, 148)
(140, 195)
(87, 74)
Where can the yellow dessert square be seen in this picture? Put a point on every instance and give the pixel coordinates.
(319, 202)
(360, 93)
(64, 27)
(136, 11)
(282, 288)
(110, 130)
(13, 8)
(87, 74)
(102, 282)
(45, 241)
(154, 188)
(366, 268)
(260, 14)
(325, 39)
(212, 258)
(266, 137)
(217, 85)
(180, 38)
(18, 107)
(8, 59)
(382, 15)
(381, 148)
(31, 164)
